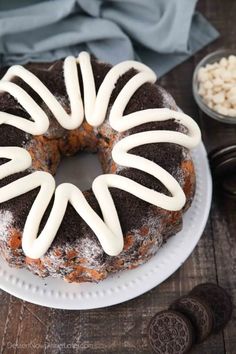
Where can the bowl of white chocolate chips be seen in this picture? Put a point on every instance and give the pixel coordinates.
(214, 85)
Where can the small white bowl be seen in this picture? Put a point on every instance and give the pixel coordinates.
(210, 59)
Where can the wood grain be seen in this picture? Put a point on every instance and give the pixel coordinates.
(27, 328)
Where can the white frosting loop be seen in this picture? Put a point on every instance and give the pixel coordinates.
(108, 230)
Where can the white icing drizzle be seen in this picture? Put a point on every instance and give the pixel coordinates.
(108, 230)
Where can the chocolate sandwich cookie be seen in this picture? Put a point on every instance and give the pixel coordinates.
(170, 332)
(219, 301)
(223, 166)
(198, 312)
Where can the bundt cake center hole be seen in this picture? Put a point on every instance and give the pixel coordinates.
(79, 169)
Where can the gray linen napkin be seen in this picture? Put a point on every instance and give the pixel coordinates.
(161, 33)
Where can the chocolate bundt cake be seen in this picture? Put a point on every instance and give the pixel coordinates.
(142, 141)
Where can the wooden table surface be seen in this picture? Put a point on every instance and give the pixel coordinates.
(121, 329)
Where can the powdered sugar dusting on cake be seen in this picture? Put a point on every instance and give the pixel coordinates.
(150, 223)
(91, 251)
(167, 100)
(6, 222)
(146, 240)
(55, 130)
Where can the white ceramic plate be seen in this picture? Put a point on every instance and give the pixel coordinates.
(125, 285)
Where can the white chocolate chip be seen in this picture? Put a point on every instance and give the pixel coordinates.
(224, 62)
(217, 89)
(208, 98)
(232, 112)
(210, 104)
(216, 73)
(210, 76)
(221, 110)
(203, 76)
(232, 91)
(231, 67)
(225, 75)
(226, 104)
(219, 97)
(201, 90)
(217, 82)
(227, 86)
(232, 59)
(232, 99)
(207, 84)
(210, 67)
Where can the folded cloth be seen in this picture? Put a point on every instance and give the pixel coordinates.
(161, 33)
